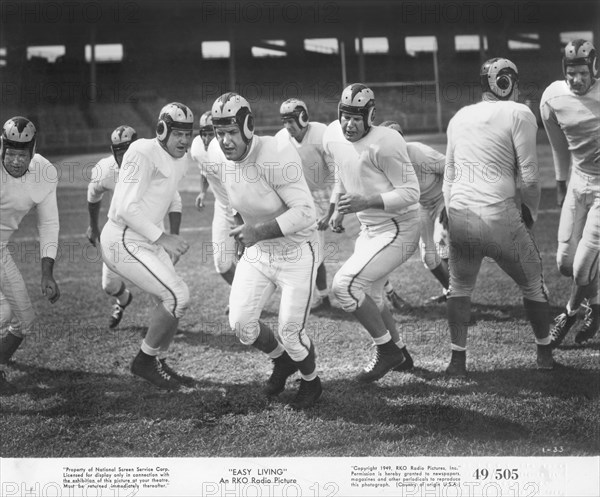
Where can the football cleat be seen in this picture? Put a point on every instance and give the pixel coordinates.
(408, 364)
(117, 314)
(187, 381)
(283, 368)
(562, 324)
(308, 394)
(8, 346)
(6, 388)
(591, 323)
(387, 357)
(544, 357)
(458, 365)
(150, 368)
(396, 302)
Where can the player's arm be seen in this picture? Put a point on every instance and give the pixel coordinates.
(449, 168)
(48, 227)
(95, 192)
(202, 192)
(175, 210)
(560, 149)
(524, 141)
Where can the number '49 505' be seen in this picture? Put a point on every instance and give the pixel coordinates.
(498, 474)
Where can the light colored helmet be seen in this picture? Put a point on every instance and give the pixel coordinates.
(296, 109)
(395, 125)
(121, 138)
(173, 116)
(581, 52)
(206, 122)
(20, 133)
(358, 99)
(231, 108)
(499, 76)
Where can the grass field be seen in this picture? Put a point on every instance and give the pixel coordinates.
(78, 399)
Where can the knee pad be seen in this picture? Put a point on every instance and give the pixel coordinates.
(350, 296)
(177, 300)
(247, 332)
(536, 291)
(430, 260)
(564, 260)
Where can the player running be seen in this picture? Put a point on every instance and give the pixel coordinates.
(491, 147)
(265, 185)
(223, 246)
(135, 245)
(570, 111)
(27, 181)
(375, 180)
(307, 138)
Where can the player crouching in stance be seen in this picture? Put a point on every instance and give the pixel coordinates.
(266, 187)
(105, 175)
(491, 145)
(27, 180)
(375, 180)
(135, 245)
(570, 111)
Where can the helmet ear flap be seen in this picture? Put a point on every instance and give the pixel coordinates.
(303, 118)
(161, 130)
(371, 116)
(248, 127)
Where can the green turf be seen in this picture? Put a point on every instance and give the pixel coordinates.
(77, 397)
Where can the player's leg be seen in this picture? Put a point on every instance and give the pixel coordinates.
(320, 295)
(518, 256)
(114, 286)
(21, 317)
(429, 251)
(149, 268)
(296, 279)
(375, 257)
(464, 263)
(573, 218)
(585, 268)
(224, 246)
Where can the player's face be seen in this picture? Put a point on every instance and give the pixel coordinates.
(231, 141)
(295, 131)
(207, 136)
(178, 143)
(16, 161)
(579, 79)
(353, 126)
(119, 154)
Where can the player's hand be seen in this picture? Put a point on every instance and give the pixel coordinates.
(352, 202)
(561, 192)
(174, 245)
(323, 223)
(443, 219)
(526, 215)
(92, 235)
(246, 235)
(200, 201)
(50, 289)
(336, 222)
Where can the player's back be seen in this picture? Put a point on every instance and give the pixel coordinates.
(481, 151)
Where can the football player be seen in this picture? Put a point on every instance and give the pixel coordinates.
(491, 148)
(135, 245)
(223, 246)
(570, 111)
(376, 181)
(27, 181)
(307, 138)
(266, 187)
(429, 168)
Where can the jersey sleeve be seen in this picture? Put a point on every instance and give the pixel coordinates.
(289, 183)
(394, 162)
(48, 224)
(97, 187)
(524, 140)
(557, 139)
